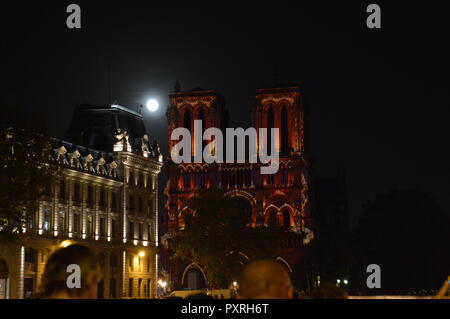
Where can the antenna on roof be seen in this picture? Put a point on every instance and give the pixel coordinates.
(109, 81)
(177, 86)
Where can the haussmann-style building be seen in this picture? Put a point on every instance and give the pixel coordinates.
(105, 198)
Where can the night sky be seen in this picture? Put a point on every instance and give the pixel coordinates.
(378, 99)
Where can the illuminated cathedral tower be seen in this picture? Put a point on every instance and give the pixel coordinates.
(282, 197)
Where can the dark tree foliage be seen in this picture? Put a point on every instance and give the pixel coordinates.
(405, 233)
(331, 256)
(25, 170)
(217, 237)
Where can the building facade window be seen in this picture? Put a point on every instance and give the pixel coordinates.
(149, 207)
(90, 196)
(76, 223)
(113, 228)
(139, 287)
(77, 193)
(130, 287)
(31, 220)
(62, 189)
(89, 225)
(102, 226)
(131, 230)
(62, 221)
(112, 288)
(131, 203)
(47, 218)
(141, 205)
(102, 198)
(114, 201)
(140, 231)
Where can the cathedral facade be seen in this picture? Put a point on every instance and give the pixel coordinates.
(282, 197)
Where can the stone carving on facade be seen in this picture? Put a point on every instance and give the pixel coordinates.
(122, 143)
(157, 150)
(75, 159)
(145, 147)
(100, 168)
(88, 162)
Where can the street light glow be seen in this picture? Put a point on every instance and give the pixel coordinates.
(66, 243)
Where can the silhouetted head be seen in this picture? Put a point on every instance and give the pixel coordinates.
(200, 295)
(265, 279)
(329, 291)
(56, 274)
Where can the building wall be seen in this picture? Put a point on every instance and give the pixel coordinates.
(53, 225)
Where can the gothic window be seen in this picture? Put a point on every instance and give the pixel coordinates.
(187, 123)
(201, 117)
(284, 175)
(284, 131)
(270, 179)
(187, 179)
(187, 120)
(272, 219)
(270, 125)
(286, 219)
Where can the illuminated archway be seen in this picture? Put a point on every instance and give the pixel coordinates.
(193, 277)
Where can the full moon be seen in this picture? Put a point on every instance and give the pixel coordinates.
(152, 105)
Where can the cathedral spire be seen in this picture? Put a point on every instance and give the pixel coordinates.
(177, 87)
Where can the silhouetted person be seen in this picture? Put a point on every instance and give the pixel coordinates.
(265, 279)
(54, 279)
(329, 291)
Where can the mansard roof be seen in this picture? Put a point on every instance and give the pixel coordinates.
(94, 126)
